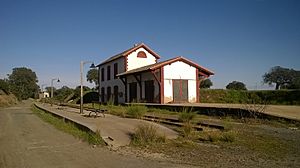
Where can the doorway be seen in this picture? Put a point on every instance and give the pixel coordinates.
(149, 91)
(132, 92)
(180, 90)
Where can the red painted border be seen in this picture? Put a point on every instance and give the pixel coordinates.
(125, 63)
(197, 86)
(162, 100)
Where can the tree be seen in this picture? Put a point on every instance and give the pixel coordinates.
(92, 76)
(4, 86)
(236, 85)
(207, 83)
(77, 90)
(282, 77)
(63, 93)
(23, 83)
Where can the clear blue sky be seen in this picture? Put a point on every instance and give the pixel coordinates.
(237, 39)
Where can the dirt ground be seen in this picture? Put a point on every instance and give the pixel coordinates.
(27, 141)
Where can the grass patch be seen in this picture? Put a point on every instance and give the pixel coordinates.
(146, 135)
(217, 136)
(136, 111)
(69, 127)
(262, 143)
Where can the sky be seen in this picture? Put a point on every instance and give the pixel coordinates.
(239, 40)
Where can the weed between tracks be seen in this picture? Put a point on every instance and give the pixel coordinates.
(69, 127)
(146, 135)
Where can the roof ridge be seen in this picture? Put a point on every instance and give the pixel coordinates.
(128, 51)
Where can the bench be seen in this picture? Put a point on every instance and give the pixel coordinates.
(98, 111)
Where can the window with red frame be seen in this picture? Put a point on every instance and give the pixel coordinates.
(141, 54)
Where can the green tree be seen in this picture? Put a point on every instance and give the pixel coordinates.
(207, 83)
(295, 83)
(23, 83)
(236, 85)
(77, 90)
(282, 77)
(4, 86)
(63, 93)
(92, 76)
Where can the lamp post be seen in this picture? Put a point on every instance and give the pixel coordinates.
(42, 87)
(81, 82)
(52, 85)
(42, 90)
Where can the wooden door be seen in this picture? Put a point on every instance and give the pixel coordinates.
(180, 90)
(149, 91)
(116, 94)
(132, 92)
(108, 92)
(102, 95)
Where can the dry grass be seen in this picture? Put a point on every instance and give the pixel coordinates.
(7, 100)
(146, 135)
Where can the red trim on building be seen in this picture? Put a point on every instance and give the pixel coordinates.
(125, 63)
(197, 86)
(141, 54)
(205, 71)
(162, 100)
(126, 53)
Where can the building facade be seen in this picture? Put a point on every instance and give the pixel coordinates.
(135, 75)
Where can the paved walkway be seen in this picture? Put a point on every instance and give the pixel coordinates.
(114, 130)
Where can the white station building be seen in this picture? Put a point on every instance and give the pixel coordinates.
(135, 75)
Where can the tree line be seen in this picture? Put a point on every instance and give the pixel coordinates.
(22, 82)
(283, 78)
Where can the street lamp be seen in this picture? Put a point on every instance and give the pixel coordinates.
(81, 82)
(42, 87)
(52, 85)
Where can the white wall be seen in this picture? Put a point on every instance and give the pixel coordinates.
(135, 62)
(179, 70)
(112, 82)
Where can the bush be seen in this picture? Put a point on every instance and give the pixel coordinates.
(146, 135)
(136, 111)
(284, 97)
(187, 130)
(218, 136)
(4, 86)
(186, 116)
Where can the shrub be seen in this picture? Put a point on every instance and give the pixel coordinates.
(218, 136)
(146, 135)
(136, 111)
(186, 116)
(285, 97)
(228, 136)
(187, 130)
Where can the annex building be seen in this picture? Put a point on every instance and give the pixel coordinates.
(136, 75)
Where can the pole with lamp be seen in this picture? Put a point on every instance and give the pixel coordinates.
(52, 87)
(42, 90)
(81, 82)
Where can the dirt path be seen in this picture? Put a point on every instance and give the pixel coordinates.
(27, 141)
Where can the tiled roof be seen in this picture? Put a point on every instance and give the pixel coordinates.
(129, 51)
(160, 64)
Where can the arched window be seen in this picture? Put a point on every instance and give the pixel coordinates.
(108, 94)
(102, 94)
(141, 54)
